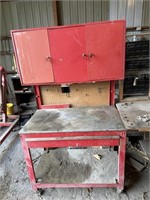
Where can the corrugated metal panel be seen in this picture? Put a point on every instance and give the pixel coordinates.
(82, 12)
(35, 13)
(121, 12)
(6, 25)
(136, 12)
(146, 13)
(130, 13)
(97, 11)
(74, 12)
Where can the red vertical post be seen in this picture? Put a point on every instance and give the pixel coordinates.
(112, 92)
(121, 161)
(38, 97)
(3, 99)
(29, 163)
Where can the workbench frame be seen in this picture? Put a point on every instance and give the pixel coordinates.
(75, 139)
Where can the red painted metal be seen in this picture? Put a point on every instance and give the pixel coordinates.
(5, 121)
(3, 95)
(105, 44)
(37, 141)
(27, 155)
(33, 57)
(121, 160)
(10, 127)
(79, 53)
(38, 96)
(112, 92)
(73, 143)
(71, 54)
(5, 124)
(71, 134)
(67, 48)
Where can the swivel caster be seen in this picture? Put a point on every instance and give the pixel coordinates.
(89, 189)
(40, 191)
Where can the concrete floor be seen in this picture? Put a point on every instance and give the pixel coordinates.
(14, 182)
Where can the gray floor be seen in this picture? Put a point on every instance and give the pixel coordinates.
(14, 182)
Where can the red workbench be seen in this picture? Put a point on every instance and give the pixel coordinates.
(75, 127)
(64, 55)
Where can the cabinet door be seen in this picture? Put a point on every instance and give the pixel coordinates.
(106, 49)
(68, 46)
(33, 57)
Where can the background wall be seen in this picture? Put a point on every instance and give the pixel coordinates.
(18, 14)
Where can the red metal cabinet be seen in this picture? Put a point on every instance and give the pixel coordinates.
(91, 52)
(105, 47)
(67, 48)
(33, 56)
(71, 54)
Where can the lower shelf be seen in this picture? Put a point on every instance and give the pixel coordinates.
(73, 166)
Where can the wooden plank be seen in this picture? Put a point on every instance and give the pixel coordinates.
(90, 94)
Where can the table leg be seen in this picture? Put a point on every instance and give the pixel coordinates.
(121, 161)
(28, 159)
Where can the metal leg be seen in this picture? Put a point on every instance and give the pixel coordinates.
(121, 161)
(29, 163)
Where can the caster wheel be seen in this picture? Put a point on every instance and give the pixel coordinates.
(89, 190)
(40, 192)
(46, 150)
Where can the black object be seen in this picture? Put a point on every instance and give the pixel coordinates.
(137, 73)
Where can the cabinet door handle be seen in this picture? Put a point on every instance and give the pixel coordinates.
(84, 55)
(91, 55)
(48, 58)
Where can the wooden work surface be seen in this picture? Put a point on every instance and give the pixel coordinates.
(135, 115)
(87, 119)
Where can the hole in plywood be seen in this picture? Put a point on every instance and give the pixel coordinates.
(65, 89)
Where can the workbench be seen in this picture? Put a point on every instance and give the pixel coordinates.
(73, 70)
(75, 127)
